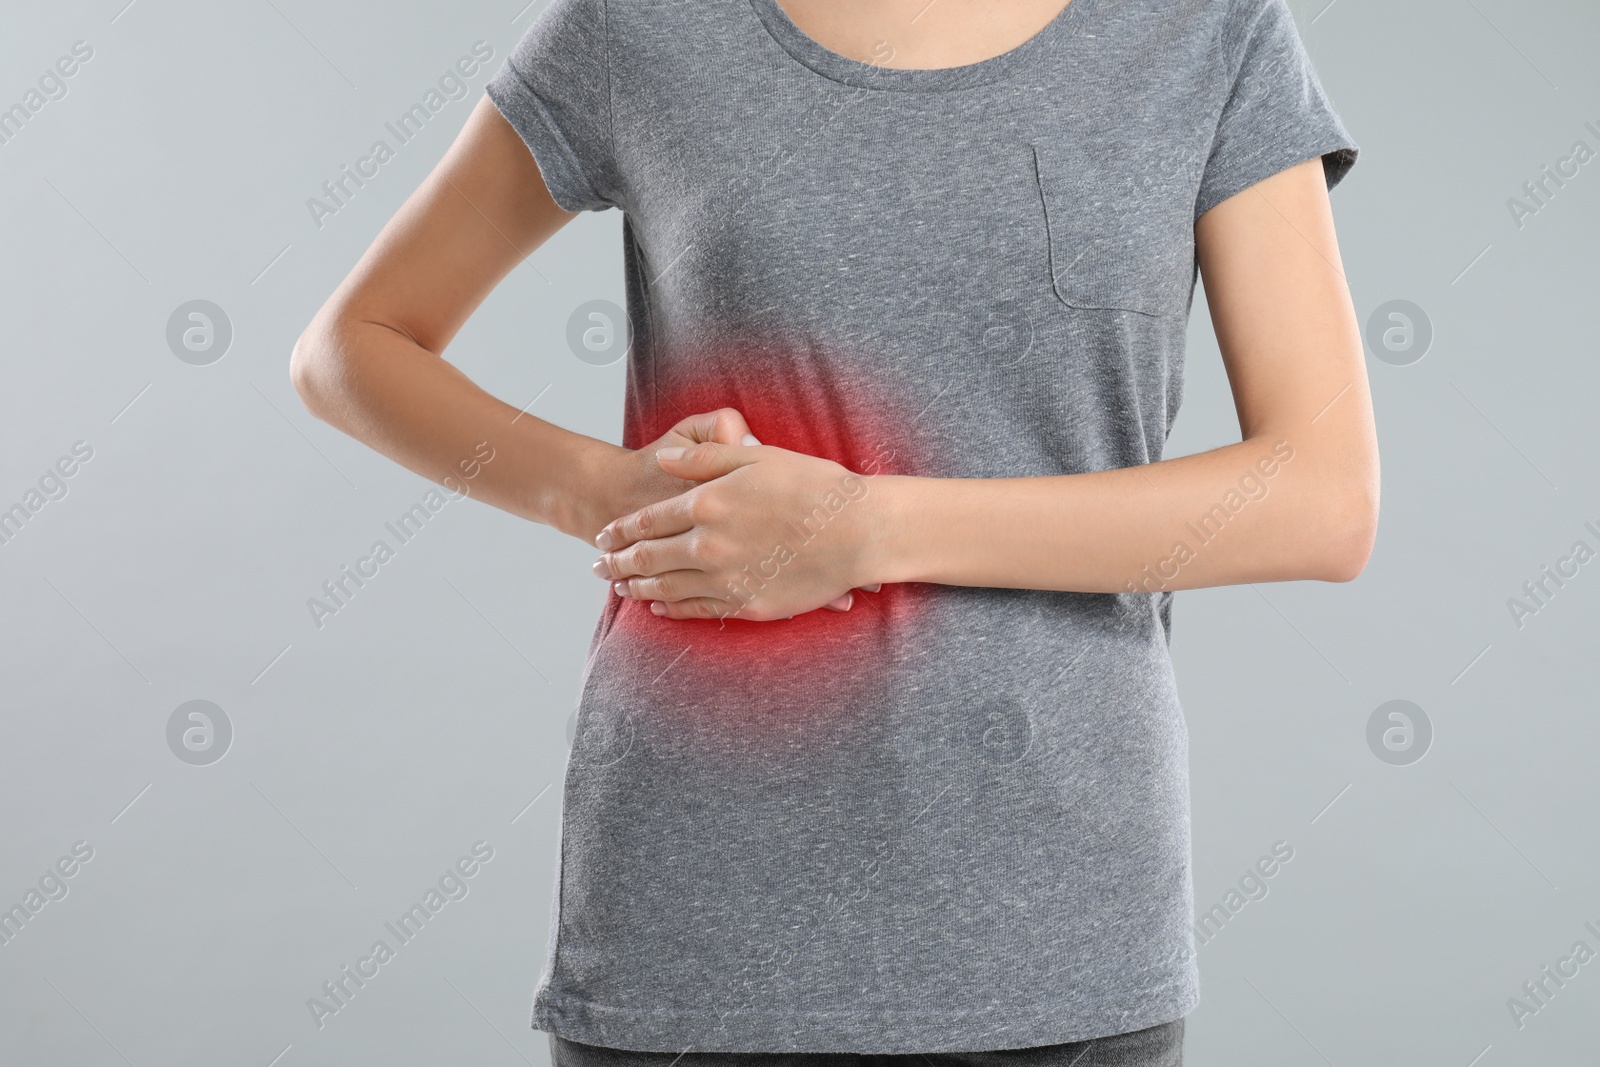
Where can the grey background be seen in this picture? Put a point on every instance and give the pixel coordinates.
(430, 713)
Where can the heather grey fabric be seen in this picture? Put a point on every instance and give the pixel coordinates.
(952, 819)
(1156, 1046)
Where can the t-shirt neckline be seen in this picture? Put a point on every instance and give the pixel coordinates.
(830, 64)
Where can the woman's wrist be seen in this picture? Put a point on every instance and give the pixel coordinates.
(587, 487)
(890, 545)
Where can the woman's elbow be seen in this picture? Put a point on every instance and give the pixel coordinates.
(311, 369)
(1350, 527)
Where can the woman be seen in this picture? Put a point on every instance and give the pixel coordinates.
(945, 285)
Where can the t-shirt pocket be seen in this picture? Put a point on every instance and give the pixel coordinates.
(1120, 234)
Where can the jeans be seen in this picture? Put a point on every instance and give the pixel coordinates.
(1155, 1046)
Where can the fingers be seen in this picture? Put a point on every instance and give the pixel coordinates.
(841, 602)
(703, 462)
(724, 426)
(649, 556)
(669, 517)
(701, 607)
(669, 587)
(705, 607)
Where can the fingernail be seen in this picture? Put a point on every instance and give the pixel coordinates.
(604, 540)
(620, 588)
(873, 588)
(671, 452)
(600, 566)
(749, 439)
(657, 608)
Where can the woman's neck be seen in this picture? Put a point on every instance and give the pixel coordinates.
(921, 34)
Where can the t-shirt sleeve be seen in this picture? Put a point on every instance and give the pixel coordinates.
(555, 90)
(1276, 115)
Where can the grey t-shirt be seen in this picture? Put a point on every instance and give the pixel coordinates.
(952, 818)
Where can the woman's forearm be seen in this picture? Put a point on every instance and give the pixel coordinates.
(379, 386)
(1259, 510)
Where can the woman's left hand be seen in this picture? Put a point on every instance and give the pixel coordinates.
(767, 534)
